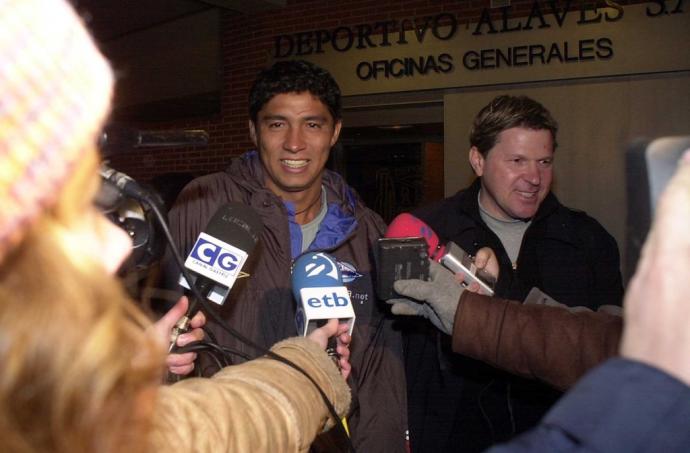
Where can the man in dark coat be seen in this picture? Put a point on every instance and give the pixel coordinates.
(295, 119)
(637, 402)
(459, 404)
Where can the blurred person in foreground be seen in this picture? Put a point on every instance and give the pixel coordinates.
(80, 362)
(80, 371)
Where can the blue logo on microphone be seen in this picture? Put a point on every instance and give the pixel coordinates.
(316, 269)
(321, 265)
(214, 255)
(426, 232)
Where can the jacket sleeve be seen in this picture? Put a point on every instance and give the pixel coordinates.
(620, 406)
(552, 344)
(261, 405)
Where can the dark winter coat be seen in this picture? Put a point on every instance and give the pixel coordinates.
(460, 404)
(262, 306)
(565, 253)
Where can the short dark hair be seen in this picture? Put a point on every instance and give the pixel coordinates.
(294, 76)
(505, 112)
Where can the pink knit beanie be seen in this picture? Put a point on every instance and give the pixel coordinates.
(55, 91)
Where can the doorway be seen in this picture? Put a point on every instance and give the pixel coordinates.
(394, 169)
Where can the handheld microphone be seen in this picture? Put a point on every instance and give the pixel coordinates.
(134, 209)
(451, 255)
(221, 250)
(317, 285)
(407, 225)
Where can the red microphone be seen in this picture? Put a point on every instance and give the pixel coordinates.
(451, 255)
(406, 225)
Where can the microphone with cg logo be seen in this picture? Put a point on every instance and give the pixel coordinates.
(220, 251)
(317, 285)
(451, 255)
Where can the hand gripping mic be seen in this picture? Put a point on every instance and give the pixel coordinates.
(450, 255)
(317, 285)
(221, 250)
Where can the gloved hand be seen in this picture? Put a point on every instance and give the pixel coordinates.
(436, 299)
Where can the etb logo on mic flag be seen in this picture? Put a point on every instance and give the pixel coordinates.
(322, 303)
(215, 259)
(317, 285)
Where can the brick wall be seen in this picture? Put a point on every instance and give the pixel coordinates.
(246, 43)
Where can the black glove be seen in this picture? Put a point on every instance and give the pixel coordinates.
(436, 299)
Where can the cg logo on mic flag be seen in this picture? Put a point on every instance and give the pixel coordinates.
(215, 259)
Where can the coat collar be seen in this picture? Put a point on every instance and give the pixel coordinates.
(249, 173)
(343, 205)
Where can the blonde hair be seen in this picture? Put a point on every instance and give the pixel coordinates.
(77, 366)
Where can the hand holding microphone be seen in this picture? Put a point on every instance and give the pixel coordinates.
(436, 299)
(480, 275)
(218, 255)
(335, 329)
(180, 364)
(324, 309)
(486, 263)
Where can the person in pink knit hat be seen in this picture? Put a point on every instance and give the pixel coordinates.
(81, 364)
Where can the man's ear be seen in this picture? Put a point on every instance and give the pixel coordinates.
(336, 131)
(252, 132)
(476, 161)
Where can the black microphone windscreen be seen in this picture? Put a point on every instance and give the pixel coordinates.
(236, 224)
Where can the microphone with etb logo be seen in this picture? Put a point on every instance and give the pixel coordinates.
(221, 250)
(317, 285)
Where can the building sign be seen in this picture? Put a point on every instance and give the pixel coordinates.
(555, 40)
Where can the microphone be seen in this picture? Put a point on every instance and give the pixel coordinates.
(133, 208)
(451, 255)
(407, 225)
(317, 285)
(220, 251)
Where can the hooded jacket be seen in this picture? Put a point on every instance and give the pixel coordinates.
(262, 306)
(460, 404)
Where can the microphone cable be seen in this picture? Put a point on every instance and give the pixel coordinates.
(132, 188)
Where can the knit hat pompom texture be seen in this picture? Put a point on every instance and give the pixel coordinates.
(55, 90)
